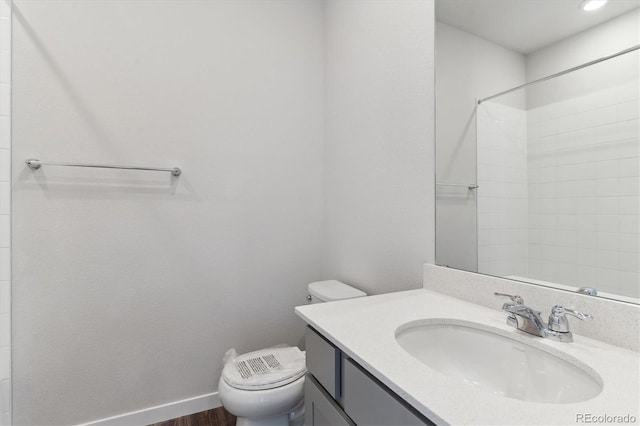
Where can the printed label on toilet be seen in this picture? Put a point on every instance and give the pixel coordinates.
(265, 368)
(260, 365)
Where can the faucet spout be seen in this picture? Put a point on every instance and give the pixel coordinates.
(527, 319)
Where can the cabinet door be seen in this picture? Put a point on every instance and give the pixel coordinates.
(371, 403)
(319, 408)
(323, 361)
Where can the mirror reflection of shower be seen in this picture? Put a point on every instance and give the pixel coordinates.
(559, 203)
(539, 182)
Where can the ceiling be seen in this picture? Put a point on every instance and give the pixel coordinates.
(526, 25)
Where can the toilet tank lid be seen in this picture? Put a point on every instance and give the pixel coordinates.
(333, 290)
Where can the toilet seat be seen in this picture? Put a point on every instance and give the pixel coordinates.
(265, 369)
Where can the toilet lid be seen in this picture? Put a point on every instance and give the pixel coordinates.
(265, 369)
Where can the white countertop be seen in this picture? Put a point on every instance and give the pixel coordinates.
(365, 330)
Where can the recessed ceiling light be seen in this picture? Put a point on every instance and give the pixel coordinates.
(590, 5)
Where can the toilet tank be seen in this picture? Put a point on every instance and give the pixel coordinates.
(327, 291)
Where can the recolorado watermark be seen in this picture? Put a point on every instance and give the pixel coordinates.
(590, 418)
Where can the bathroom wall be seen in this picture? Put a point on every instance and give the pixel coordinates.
(5, 212)
(379, 143)
(605, 39)
(584, 165)
(467, 68)
(129, 286)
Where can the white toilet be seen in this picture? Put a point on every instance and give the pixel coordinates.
(266, 387)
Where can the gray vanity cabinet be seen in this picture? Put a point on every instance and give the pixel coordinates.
(338, 391)
(319, 408)
(323, 384)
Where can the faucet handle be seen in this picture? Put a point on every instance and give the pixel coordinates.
(559, 310)
(514, 298)
(588, 291)
(558, 320)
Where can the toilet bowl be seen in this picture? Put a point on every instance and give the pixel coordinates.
(279, 406)
(266, 387)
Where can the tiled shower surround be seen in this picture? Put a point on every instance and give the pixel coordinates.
(5, 210)
(502, 190)
(583, 191)
(576, 194)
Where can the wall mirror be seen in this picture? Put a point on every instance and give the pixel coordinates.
(537, 169)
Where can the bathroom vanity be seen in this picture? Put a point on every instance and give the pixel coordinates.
(360, 373)
(338, 391)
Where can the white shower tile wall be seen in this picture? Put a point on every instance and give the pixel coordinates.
(5, 210)
(502, 189)
(584, 175)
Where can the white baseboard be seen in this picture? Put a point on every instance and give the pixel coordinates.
(162, 412)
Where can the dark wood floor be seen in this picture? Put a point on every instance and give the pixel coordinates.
(216, 417)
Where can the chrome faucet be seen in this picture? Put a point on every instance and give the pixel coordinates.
(528, 320)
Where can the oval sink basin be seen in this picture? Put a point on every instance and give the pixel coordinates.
(497, 363)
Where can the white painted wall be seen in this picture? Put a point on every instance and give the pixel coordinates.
(5, 212)
(379, 143)
(605, 39)
(130, 286)
(467, 68)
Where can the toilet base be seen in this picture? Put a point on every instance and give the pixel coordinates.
(294, 418)
(282, 420)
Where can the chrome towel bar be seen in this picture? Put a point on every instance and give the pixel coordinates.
(36, 164)
(469, 186)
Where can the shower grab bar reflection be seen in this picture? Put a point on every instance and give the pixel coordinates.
(469, 186)
(36, 164)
